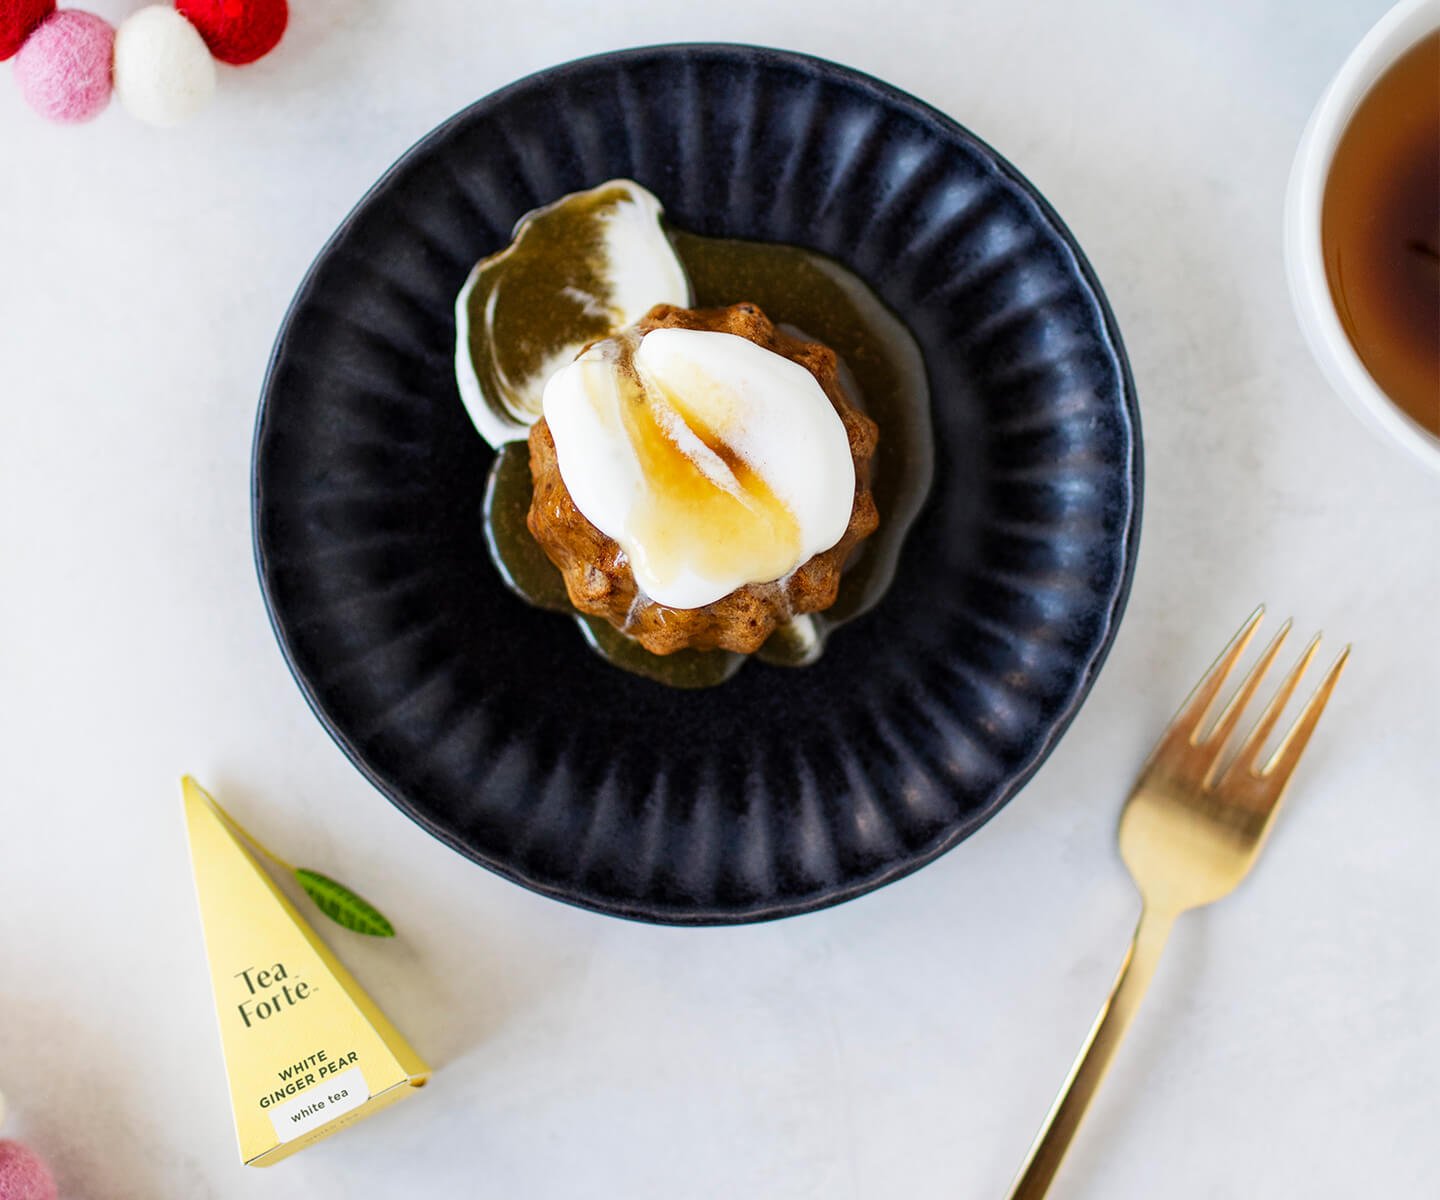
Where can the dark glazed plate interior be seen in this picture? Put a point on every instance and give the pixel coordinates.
(782, 790)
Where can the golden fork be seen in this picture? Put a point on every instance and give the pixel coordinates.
(1190, 832)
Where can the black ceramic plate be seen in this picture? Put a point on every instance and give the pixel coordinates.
(782, 790)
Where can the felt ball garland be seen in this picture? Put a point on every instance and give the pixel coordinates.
(160, 63)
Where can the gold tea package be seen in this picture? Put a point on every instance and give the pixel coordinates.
(306, 1050)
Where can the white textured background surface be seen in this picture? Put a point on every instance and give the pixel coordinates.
(904, 1045)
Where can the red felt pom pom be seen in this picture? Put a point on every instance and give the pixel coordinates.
(18, 19)
(237, 31)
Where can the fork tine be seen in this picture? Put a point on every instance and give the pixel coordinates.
(1230, 717)
(1246, 758)
(1191, 716)
(1283, 761)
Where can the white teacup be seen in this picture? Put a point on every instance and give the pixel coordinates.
(1395, 33)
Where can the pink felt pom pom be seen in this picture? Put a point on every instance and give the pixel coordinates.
(17, 19)
(24, 1175)
(63, 69)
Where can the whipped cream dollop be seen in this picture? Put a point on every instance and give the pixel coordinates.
(576, 270)
(712, 461)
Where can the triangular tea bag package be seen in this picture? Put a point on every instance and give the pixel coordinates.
(307, 1051)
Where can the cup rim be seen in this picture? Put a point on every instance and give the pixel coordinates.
(1388, 39)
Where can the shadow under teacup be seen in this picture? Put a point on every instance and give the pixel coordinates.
(1362, 229)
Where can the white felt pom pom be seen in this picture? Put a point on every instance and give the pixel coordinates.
(163, 71)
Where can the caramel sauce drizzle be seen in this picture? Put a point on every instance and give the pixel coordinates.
(724, 521)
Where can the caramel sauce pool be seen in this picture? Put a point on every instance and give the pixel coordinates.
(813, 297)
(521, 277)
(1380, 232)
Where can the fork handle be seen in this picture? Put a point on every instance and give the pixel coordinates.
(1054, 1138)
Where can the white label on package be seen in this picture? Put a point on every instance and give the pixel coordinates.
(319, 1105)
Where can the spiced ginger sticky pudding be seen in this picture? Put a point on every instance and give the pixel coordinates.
(701, 478)
(696, 437)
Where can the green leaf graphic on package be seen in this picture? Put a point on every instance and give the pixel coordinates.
(342, 905)
(331, 896)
